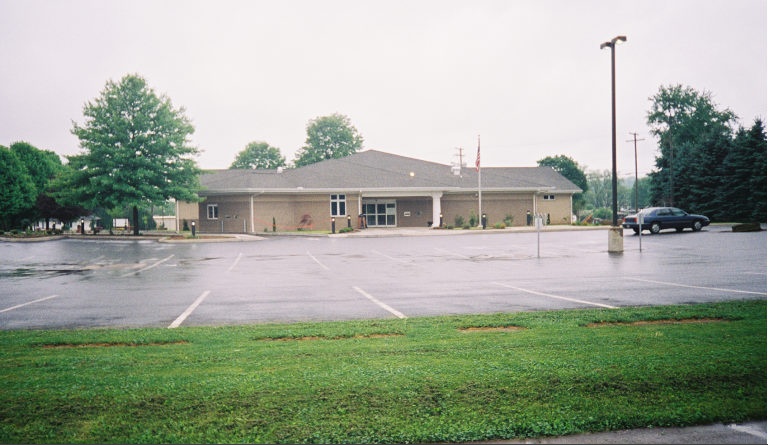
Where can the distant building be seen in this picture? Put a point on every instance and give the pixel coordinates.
(374, 189)
(165, 222)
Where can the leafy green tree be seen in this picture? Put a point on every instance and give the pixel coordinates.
(694, 137)
(599, 192)
(638, 198)
(569, 168)
(329, 137)
(626, 196)
(136, 150)
(42, 167)
(17, 189)
(258, 155)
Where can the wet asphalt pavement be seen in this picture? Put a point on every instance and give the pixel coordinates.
(74, 282)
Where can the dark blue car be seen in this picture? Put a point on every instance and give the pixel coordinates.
(656, 219)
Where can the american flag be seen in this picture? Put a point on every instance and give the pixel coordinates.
(477, 161)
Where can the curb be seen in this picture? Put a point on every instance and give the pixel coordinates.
(375, 232)
(210, 239)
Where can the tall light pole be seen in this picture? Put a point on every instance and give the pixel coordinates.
(615, 242)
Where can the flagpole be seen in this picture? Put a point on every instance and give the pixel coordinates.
(479, 186)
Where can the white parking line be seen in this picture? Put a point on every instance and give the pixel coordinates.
(453, 253)
(155, 264)
(27, 303)
(382, 305)
(698, 287)
(390, 258)
(318, 261)
(189, 310)
(554, 296)
(237, 260)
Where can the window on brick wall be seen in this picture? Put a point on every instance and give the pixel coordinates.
(338, 205)
(213, 211)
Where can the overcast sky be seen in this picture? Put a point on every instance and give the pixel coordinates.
(417, 78)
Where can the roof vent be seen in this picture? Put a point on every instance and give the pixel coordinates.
(456, 170)
(279, 169)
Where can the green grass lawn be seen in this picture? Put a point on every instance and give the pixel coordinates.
(435, 379)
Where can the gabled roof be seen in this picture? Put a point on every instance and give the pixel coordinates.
(373, 170)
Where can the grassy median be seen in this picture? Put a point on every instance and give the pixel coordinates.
(436, 379)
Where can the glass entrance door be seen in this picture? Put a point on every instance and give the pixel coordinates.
(380, 213)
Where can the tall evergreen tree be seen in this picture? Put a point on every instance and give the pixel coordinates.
(758, 180)
(694, 137)
(743, 188)
(704, 179)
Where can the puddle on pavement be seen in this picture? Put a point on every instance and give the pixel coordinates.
(50, 271)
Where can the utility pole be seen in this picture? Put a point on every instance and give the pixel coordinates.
(635, 139)
(637, 202)
(460, 154)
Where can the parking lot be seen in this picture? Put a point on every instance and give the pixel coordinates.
(73, 283)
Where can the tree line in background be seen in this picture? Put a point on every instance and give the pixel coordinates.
(136, 157)
(328, 137)
(706, 163)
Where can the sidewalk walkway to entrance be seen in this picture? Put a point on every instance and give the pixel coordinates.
(423, 231)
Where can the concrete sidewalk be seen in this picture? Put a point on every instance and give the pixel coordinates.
(738, 433)
(428, 231)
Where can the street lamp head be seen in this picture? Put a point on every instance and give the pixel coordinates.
(613, 41)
